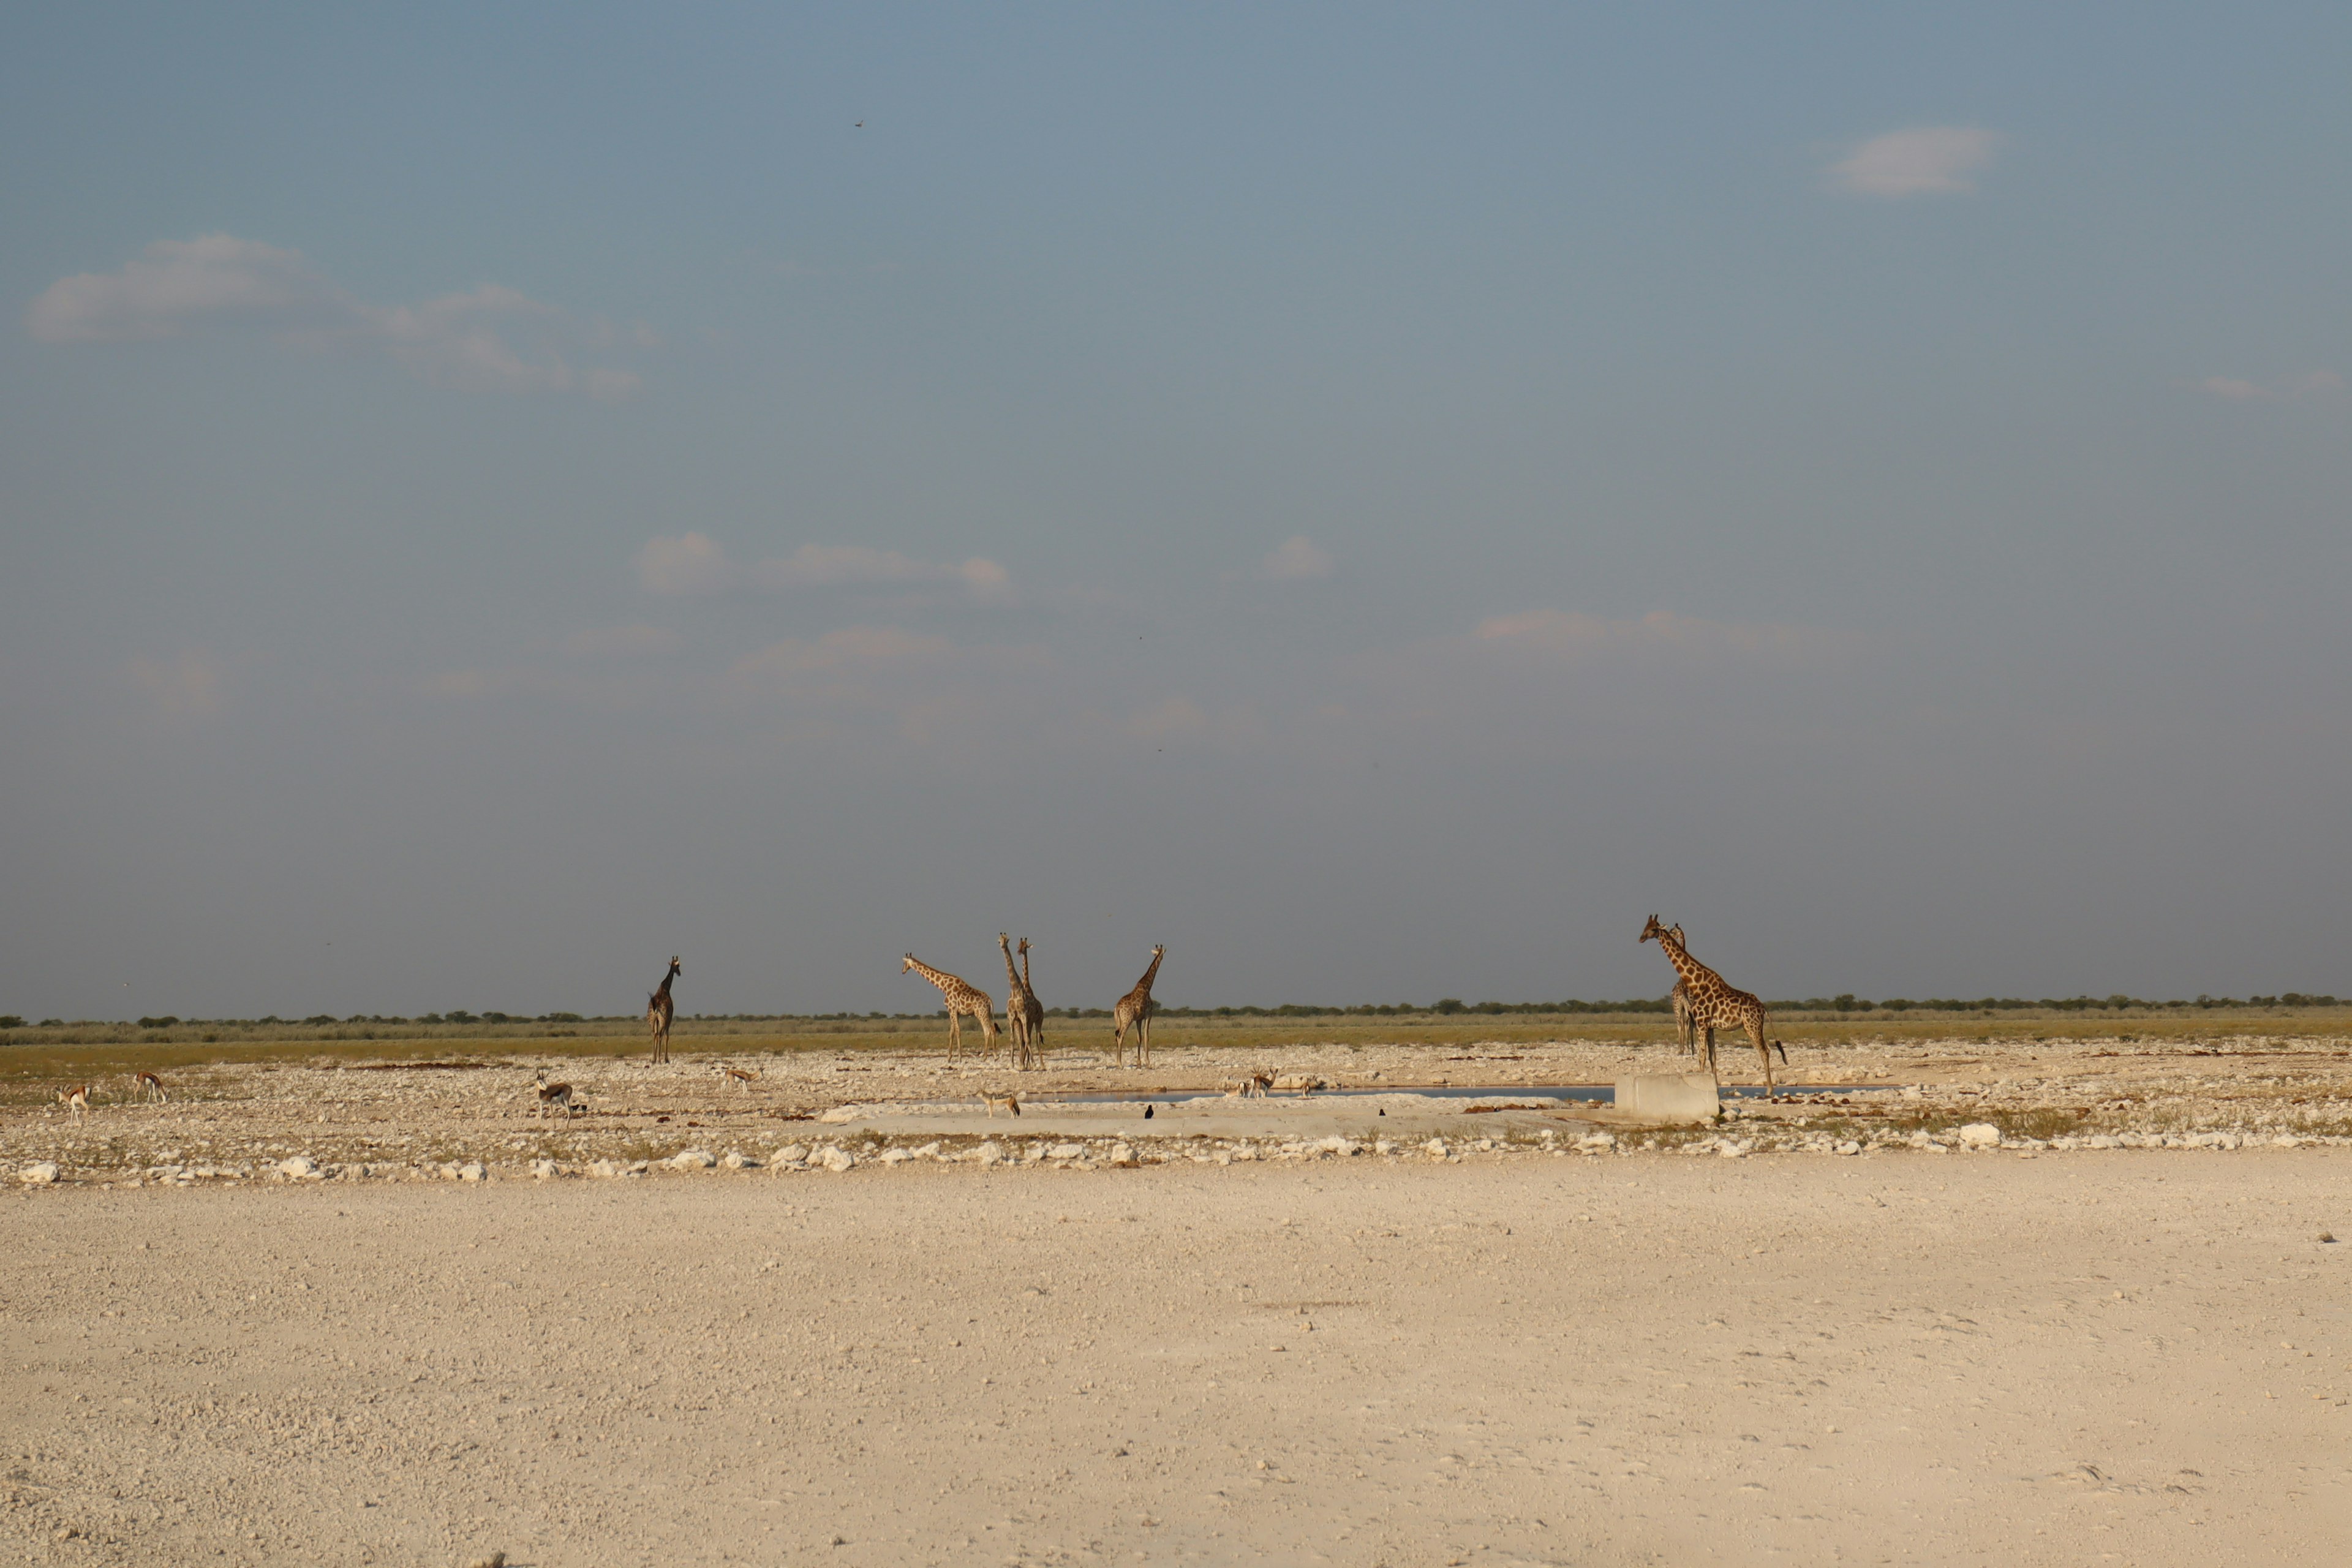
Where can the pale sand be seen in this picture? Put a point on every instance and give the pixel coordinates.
(2136, 1357)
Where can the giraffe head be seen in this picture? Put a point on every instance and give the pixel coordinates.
(1023, 945)
(1005, 941)
(1654, 931)
(908, 964)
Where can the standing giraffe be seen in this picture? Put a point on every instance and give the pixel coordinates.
(1134, 1012)
(1714, 1003)
(659, 1011)
(959, 997)
(1021, 1008)
(1036, 1008)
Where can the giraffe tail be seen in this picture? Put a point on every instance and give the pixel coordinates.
(1783, 1050)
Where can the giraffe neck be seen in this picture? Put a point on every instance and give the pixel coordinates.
(1143, 986)
(943, 980)
(1695, 973)
(1012, 977)
(1025, 969)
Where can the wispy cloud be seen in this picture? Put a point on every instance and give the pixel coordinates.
(1925, 160)
(1297, 559)
(637, 641)
(490, 339)
(1571, 635)
(189, 687)
(2318, 383)
(697, 563)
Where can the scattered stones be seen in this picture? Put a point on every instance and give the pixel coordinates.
(989, 1153)
(737, 1161)
(791, 1155)
(1122, 1156)
(691, 1160)
(40, 1175)
(840, 1114)
(836, 1160)
(1980, 1135)
(494, 1559)
(1849, 1147)
(1066, 1152)
(604, 1170)
(542, 1170)
(1434, 1146)
(300, 1167)
(472, 1170)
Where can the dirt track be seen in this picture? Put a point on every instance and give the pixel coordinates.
(2125, 1356)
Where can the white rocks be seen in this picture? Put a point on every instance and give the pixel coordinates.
(604, 1170)
(1596, 1142)
(1381, 1145)
(1333, 1145)
(1434, 1146)
(836, 1159)
(1122, 1156)
(2286, 1141)
(691, 1160)
(840, 1114)
(791, 1155)
(1980, 1135)
(896, 1156)
(298, 1168)
(1849, 1147)
(989, 1153)
(1735, 1149)
(737, 1161)
(542, 1170)
(472, 1170)
(1066, 1152)
(40, 1175)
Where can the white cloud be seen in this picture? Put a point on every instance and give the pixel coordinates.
(696, 564)
(1297, 559)
(2318, 383)
(1925, 160)
(219, 280)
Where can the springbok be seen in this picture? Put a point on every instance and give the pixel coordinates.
(556, 1096)
(148, 1083)
(741, 1077)
(76, 1100)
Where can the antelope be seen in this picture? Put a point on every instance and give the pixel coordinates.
(76, 1099)
(741, 1077)
(148, 1083)
(1257, 1084)
(1011, 1102)
(556, 1095)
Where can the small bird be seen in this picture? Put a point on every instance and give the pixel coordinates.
(1147, 1113)
(859, 126)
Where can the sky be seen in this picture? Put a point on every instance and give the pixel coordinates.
(1379, 499)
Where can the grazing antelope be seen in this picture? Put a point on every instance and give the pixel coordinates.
(148, 1083)
(1011, 1102)
(1134, 1012)
(556, 1096)
(76, 1100)
(741, 1077)
(659, 1011)
(1256, 1085)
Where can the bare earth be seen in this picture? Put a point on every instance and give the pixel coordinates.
(2025, 1301)
(2129, 1356)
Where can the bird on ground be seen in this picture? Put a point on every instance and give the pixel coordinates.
(1147, 1113)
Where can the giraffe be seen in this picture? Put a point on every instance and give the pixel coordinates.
(1134, 1012)
(1679, 999)
(1715, 1003)
(959, 997)
(1017, 1002)
(1036, 1008)
(659, 1011)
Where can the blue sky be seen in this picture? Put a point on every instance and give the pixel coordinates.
(1376, 500)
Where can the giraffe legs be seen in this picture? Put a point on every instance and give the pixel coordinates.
(1756, 1033)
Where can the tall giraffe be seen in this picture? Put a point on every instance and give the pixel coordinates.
(1017, 1002)
(1134, 1012)
(659, 1011)
(1036, 1008)
(959, 997)
(1714, 1003)
(1678, 1000)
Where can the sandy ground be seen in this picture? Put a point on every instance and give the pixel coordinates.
(2135, 1356)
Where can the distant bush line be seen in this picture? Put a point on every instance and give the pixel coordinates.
(1446, 1007)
